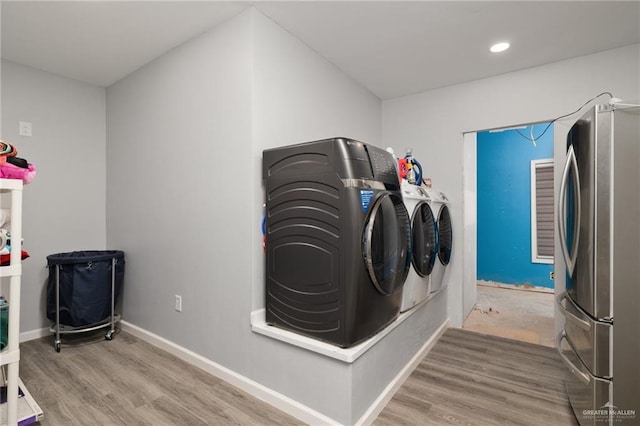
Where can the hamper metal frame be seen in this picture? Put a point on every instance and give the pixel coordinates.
(61, 329)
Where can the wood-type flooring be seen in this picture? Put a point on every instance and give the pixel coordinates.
(470, 378)
(467, 379)
(127, 381)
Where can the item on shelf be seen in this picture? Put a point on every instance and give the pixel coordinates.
(7, 149)
(13, 167)
(10, 171)
(6, 258)
(5, 237)
(3, 240)
(5, 218)
(29, 412)
(18, 162)
(4, 322)
(3, 394)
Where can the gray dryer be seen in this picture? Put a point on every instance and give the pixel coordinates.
(338, 239)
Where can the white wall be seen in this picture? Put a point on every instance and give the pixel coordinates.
(299, 96)
(433, 122)
(64, 207)
(184, 192)
(184, 201)
(179, 136)
(184, 196)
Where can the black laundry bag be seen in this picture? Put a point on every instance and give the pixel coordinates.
(85, 285)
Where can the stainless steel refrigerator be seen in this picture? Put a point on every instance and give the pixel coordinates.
(598, 220)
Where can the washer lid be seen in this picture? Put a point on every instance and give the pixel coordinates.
(436, 195)
(414, 192)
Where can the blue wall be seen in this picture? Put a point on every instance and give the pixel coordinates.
(504, 206)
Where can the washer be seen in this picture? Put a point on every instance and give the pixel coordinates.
(424, 245)
(440, 207)
(338, 240)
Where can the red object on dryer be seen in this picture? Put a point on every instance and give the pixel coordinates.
(403, 167)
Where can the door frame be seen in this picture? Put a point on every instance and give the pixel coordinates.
(470, 223)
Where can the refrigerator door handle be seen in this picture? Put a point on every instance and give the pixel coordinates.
(586, 325)
(584, 378)
(569, 258)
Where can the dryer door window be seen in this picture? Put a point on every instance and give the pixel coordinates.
(425, 240)
(445, 235)
(387, 243)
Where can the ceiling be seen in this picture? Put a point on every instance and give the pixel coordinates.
(393, 48)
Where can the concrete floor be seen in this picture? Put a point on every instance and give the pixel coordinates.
(523, 315)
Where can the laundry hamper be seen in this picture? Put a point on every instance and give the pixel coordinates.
(82, 291)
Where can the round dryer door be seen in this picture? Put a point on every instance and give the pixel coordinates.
(425, 239)
(445, 235)
(387, 243)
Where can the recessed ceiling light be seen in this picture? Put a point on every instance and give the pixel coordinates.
(500, 47)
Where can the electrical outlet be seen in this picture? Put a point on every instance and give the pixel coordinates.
(24, 128)
(178, 303)
(551, 275)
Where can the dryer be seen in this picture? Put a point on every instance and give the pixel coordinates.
(338, 240)
(424, 245)
(440, 207)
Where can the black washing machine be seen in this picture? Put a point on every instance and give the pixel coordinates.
(338, 239)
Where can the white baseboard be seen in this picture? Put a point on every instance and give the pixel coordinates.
(378, 405)
(279, 401)
(25, 336)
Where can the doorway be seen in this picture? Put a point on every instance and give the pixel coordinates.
(514, 203)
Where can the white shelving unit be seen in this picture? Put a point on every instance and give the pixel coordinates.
(17, 408)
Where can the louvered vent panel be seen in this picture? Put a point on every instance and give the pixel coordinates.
(544, 210)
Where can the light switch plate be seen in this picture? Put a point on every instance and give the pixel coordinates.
(25, 128)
